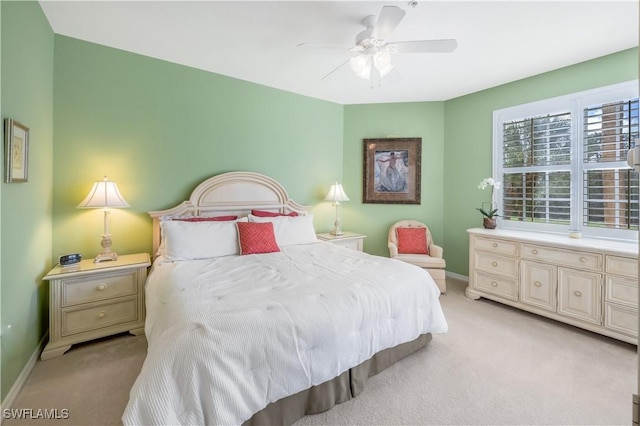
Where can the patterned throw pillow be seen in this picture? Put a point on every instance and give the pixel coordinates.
(412, 241)
(256, 238)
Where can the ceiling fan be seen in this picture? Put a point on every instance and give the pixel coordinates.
(373, 58)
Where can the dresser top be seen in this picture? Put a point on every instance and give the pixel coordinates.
(125, 261)
(594, 244)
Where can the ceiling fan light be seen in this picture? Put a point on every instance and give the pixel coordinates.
(361, 66)
(382, 61)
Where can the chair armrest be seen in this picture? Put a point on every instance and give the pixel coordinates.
(435, 251)
(393, 250)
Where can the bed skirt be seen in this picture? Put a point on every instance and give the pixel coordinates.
(322, 397)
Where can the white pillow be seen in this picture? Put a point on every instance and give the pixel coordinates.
(290, 230)
(199, 240)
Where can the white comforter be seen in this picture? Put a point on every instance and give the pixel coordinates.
(229, 335)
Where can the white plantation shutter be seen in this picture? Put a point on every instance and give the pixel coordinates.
(610, 187)
(536, 169)
(563, 165)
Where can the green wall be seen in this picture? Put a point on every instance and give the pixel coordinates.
(27, 96)
(158, 129)
(468, 134)
(420, 119)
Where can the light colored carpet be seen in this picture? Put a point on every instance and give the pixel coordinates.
(496, 366)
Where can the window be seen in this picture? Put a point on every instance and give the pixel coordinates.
(563, 164)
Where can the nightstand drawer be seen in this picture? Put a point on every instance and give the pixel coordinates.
(350, 244)
(98, 287)
(100, 316)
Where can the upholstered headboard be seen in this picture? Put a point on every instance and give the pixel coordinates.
(232, 193)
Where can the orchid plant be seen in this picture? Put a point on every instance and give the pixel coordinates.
(489, 182)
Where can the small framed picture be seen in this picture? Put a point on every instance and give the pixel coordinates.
(392, 170)
(16, 151)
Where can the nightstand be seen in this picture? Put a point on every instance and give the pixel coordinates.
(91, 300)
(348, 239)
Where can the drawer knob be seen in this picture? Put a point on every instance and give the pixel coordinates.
(577, 293)
(534, 251)
(102, 315)
(494, 263)
(494, 245)
(493, 283)
(537, 284)
(583, 259)
(102, 287)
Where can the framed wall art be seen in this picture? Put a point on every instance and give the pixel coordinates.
(392, 170)
(16, 151)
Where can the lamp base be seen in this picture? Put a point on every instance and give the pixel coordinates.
(103, 257)
(106, 254)
(336, 233)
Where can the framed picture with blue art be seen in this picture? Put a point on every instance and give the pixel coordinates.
(392, 170)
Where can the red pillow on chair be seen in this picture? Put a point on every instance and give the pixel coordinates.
(412, 240)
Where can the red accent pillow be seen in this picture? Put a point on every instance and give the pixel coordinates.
(412, 240)
(208, 219)
(257, 237)
(263, 213)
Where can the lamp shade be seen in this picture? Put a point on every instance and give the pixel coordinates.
(336, 194)
(104, 194)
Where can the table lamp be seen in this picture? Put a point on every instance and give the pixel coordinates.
(336, 195)
(104, 195)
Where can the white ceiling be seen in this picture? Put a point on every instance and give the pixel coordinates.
(498, 42)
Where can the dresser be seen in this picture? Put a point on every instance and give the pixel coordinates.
(588, 283)
(91, 300)
(350, 240)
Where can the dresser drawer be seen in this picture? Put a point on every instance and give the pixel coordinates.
(626, 266)
(100, 316)
(500, 286)
(622, 290)
(508, 248)
(621, 319)
(581, 260)
(497, 264)
(98, 287)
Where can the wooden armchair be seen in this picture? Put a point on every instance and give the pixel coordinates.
(433, 261)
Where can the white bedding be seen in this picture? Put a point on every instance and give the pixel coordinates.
(229, 335)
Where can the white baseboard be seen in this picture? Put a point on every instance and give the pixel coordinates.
(8, 401)
(457, 276)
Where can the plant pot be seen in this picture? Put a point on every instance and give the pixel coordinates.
(489, 223)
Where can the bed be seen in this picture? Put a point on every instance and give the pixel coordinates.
(251, 320)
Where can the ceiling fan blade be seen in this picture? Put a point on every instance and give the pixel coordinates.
(423, 46)
(388, 20)
(335, 69)
(325, 46)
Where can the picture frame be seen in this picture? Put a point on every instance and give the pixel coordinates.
(16, 151)
(392, 170)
